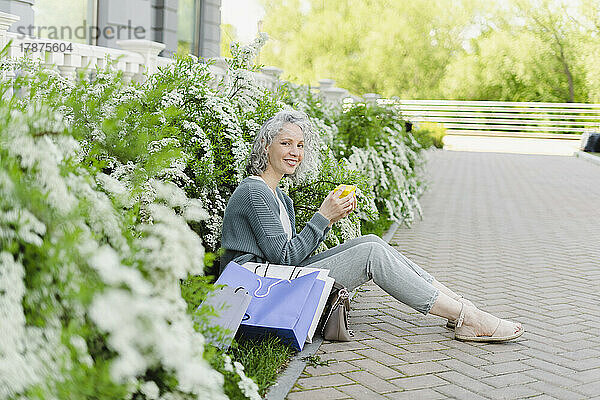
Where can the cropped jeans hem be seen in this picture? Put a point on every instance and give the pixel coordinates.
(434, 297)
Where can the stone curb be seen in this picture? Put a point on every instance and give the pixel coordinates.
(588, 157)
(287, 379)
(390, 233)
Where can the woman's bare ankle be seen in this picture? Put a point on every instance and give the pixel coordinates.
(444, 289)
(446, 307)
(482, 323)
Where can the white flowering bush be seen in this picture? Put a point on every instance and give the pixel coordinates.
(89, 305)
(95, 239)
(375, 141)
(369, 141)
(110, 216)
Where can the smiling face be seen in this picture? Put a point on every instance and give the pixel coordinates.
(286, 151)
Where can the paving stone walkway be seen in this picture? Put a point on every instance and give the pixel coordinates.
(519, 235)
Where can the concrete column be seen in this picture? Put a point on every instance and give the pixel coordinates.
(164, 25)
(273, 73)
(209, 42)
(20, 8)
(326, 83)
(6, 21)
(330, 93)
(371, 98)
(131, 20)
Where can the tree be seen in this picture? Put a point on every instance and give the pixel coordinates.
(549, 21)
(509, 67)
(527, 50)
(586, 17)
(398, 47)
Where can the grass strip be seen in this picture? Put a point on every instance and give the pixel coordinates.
(262, 359)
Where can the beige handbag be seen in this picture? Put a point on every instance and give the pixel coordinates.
(335, 324)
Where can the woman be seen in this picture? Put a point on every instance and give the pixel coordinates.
(259, 225)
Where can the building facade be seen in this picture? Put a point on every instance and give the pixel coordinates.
(184, 26)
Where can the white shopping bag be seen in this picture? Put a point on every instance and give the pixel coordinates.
(290, 272)
(230, 305)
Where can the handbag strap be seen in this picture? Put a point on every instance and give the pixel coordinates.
(268, 287)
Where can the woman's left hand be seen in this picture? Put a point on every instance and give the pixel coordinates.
(349, 205)
(352, 207)
(354, 203)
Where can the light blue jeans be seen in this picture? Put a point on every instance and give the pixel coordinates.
(369, 257)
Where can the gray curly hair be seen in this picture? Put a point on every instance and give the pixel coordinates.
(258, 160)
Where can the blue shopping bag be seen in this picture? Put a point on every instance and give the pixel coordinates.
(281, 307)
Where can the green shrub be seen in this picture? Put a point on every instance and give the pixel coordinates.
(386, 155)
(430, 134)
(111, 193)
(364, 125)
(89, 290)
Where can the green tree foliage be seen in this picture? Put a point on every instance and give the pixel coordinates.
(514, 50)
(228, 36)
(498, 70)
(530, 51)
(396, 47)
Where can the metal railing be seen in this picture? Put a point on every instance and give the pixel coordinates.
(505, 119)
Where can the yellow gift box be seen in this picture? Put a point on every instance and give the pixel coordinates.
(346, 190)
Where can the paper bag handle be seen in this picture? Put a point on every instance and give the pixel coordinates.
(296, 272)
(268, 288)
(260, 265)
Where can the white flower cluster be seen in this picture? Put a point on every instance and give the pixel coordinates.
(172, 99)
(389, 165)
(27, 353)
(21, 366)
(248, 387)
(137, 301)
(245, 54)
(349, 228)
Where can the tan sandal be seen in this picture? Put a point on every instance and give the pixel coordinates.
(465, 333)
(451, 324)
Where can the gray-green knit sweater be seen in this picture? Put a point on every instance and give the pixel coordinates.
(252, 229)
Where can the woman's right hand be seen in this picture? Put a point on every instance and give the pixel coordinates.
(334, 208)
